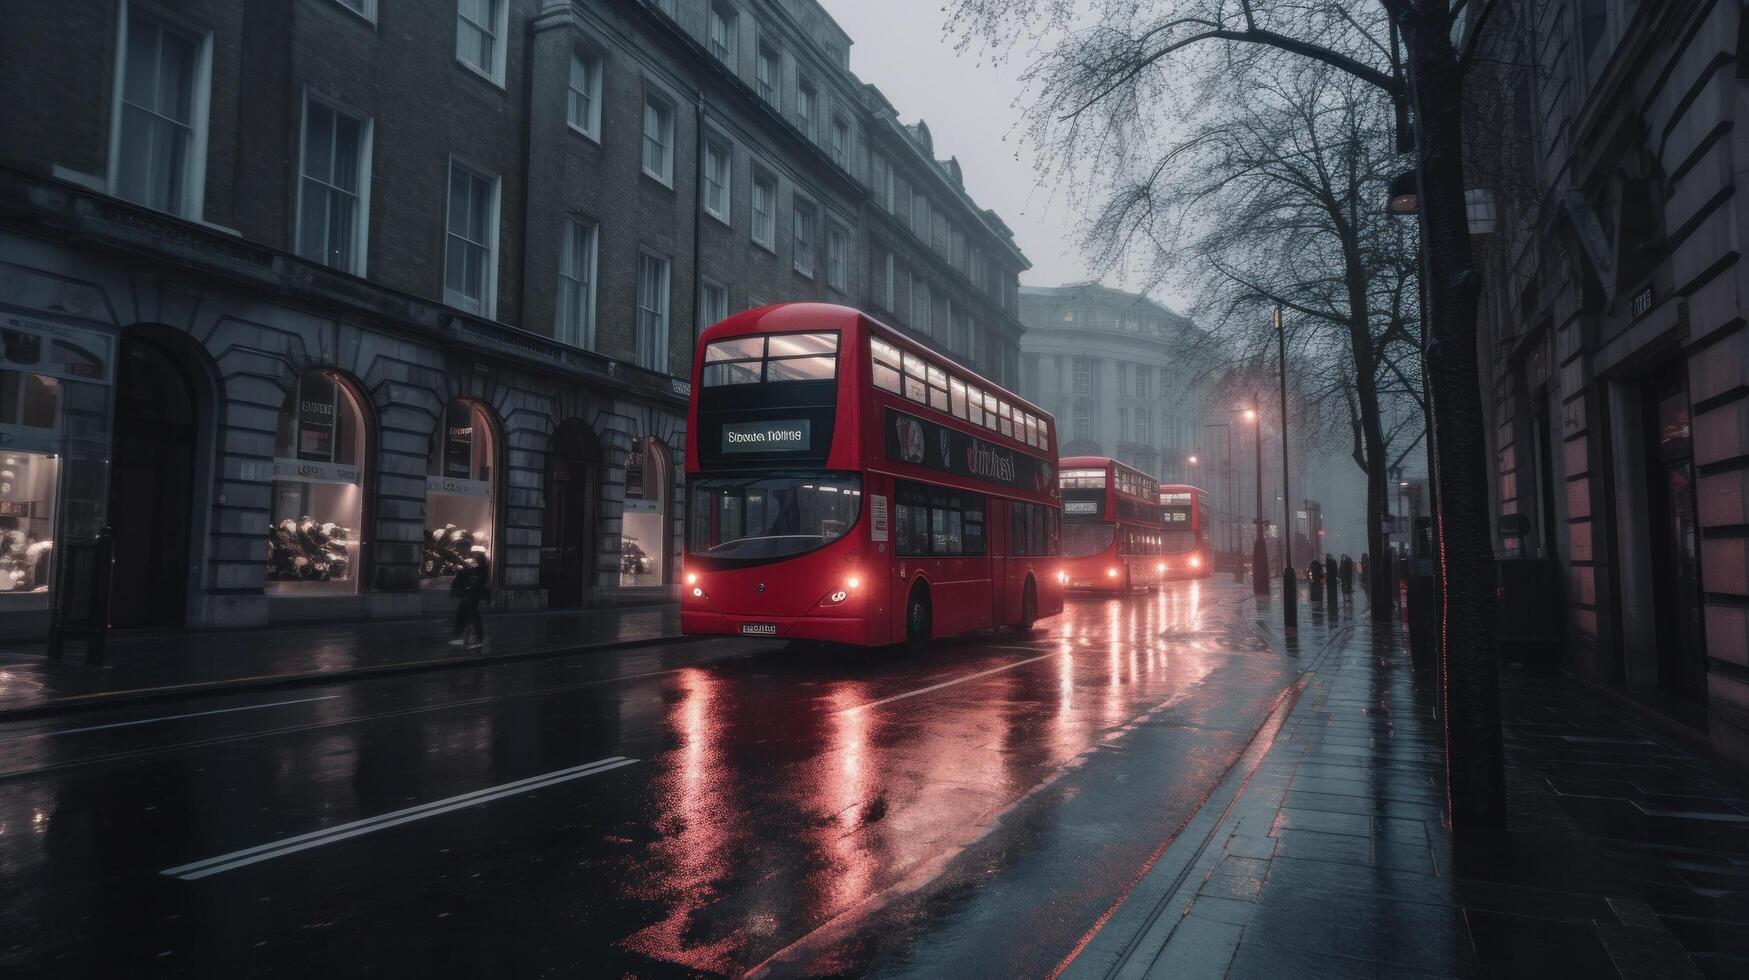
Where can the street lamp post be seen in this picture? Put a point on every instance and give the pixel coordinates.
(1290, 590)
(1259, 549)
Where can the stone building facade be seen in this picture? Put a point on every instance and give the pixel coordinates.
(308, 301)
(1614, 341)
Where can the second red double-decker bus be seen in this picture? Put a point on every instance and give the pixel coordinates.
(846, 484)
(1184, 512)
(1111, 525)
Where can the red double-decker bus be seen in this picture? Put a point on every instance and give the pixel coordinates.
(1184, 511)
(1111, 525)
(846, 484)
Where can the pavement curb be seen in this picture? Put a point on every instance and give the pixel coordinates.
(168, 692)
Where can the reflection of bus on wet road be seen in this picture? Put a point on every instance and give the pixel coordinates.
(845, 484)
(1184, 514)
(1111, 525)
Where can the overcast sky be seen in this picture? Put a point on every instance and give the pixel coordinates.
(898, 45)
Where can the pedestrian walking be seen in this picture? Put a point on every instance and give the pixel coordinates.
(1346, 570)
(1330, 576)
(1315, 575)
(472, 585)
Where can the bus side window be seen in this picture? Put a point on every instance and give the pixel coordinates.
(1053, 533)
(972, 530)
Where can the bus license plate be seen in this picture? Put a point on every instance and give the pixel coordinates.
(758, 629)
(1080, 585)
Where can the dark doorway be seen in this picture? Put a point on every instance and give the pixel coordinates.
(567, 554)
(1675, 536)
(151, 488)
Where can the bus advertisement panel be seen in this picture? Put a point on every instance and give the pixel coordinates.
(846, 484)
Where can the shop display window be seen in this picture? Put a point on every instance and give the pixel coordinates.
(318, 490)
(459, 504)
(643, 553)
(28, 486)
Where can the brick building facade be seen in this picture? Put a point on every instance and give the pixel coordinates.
(1614, 340)
(308, 300)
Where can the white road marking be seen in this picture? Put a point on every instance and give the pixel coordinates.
(149, 721)
(291, 845)
(937, 687)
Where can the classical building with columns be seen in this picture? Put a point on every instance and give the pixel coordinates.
(1613, 340)
(304, 303)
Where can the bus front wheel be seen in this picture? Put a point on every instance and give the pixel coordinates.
(1028, 608)
(917, 621)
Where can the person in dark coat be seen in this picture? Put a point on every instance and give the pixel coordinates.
(1346, 570)
(472, 586)
(1315, 575)
(1330, 576)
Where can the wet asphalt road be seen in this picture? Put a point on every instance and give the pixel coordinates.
(714, 807)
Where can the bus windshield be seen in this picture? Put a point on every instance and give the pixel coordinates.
(1179, 540)
(753, 519)
(1083, 538)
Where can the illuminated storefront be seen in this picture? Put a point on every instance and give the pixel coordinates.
(459, 502)
(317, 510)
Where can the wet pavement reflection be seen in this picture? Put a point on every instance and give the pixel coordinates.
(793, 809)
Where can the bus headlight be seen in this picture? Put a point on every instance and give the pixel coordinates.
(1062, 577)
(1160, 567)
(1111, 572)
(1195, 562)
(854, 582)
(697, 593)
(692, 579)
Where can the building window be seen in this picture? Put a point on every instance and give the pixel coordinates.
(920, 215)
(1123, 425)
(766, 72)
(887, 282)
(1083, 421)
(765, 212)
(583, 110)
(840, 142)
(1123, 379)
(470, 261)
(652, 350)
(1145, 426)
(920, 306)
(722, 33)
(806, 108)
(316, 512)
(837, 258)
(479, 36)
(802, 239)
(333, 201)
(1081, 377)
(363, 8)
(158, 136)
(576, 314)
(713, 303)
(659, 138)
(1144, 377)
(716, 181)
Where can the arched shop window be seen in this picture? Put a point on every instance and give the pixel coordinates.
(643, 549)
(318, 489)
(458, 493)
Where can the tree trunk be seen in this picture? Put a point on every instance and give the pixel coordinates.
(1466, 637)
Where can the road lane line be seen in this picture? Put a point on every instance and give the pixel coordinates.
(149, 721)
(196, 870)
(937, 687)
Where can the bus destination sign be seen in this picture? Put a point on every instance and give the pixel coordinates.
(782, 436)
(924, 443)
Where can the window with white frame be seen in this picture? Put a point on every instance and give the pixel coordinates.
(837, 258)
(470, 260)
(658, 137)
(479, 36)
(713, 302)
(583, 105)
(767, 71)
(157, 154)
(576, 313)
(652, 341)
(1145, 426)
(840, 141)
(802, 238)
(765, 211)
(716, 181)
(333, 199)
(363, 8)
(722, 33)
(807, 107)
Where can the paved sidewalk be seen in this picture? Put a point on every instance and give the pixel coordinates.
(146, 666)
(1326, 851)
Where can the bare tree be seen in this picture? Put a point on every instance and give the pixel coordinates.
(1107, 68)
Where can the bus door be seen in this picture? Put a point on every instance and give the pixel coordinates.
(997, 531)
